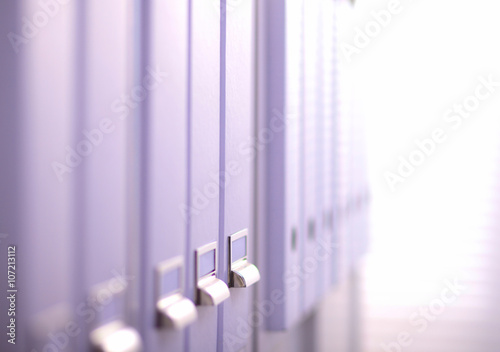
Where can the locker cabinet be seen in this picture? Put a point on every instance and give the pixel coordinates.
(108, 101)
(298, 171)
(279, 162)
(330, 163)
(312, 141)
(164, 160)
(37, 185)
(204, 175)
(178, 176)
(237, 232)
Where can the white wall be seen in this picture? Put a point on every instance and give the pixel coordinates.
(439, 223)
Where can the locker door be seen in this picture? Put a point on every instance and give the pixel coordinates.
(10, 152)
(109, 101)
(166, 311)
(278, 151)
(343, 150)
(329, 140)
(235, 313)
(38, 116)
(311, 149)
(203, 276)
(294, 104)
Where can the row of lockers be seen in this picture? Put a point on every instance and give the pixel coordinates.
(174, 171)
(312, 177)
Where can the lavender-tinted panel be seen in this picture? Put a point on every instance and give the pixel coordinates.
(238, 200)
(204, 157)
(165, 156)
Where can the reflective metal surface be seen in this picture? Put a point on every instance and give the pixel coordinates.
(176, 312)
(243, 275)
(211, 291)
(115, 337)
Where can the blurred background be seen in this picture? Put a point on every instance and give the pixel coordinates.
(440, 223)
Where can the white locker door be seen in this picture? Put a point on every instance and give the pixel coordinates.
(329, 139)
(204, 186)
(109, 101)
(311, 168)
(41, 118)
(235, 320)
(164, 187)
(277, 147)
